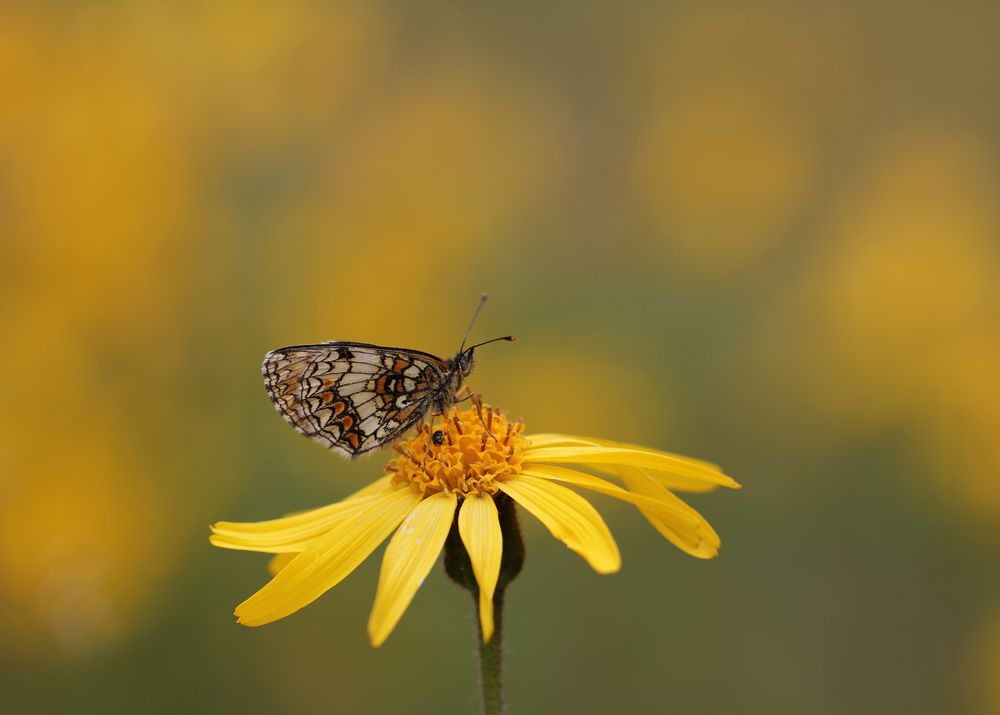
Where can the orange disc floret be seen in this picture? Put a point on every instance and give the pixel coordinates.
(465, 451)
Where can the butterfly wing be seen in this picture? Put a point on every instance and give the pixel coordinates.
(352, 397)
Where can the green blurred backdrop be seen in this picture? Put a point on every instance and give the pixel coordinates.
(764, 234)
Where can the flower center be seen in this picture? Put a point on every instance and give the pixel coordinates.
(460, 453)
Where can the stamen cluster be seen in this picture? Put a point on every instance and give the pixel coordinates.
(463, 452)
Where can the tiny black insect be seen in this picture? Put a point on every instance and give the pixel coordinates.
(438, 437)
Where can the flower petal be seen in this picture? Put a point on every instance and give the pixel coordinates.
(295, 532)
(566, 440)
(668, 508)
(698, 538)
(327, 560)
(673, 471)
(569, 517)
(280, 561)
(409, 557)
(479, 527)
(288, 534)
(380, 485)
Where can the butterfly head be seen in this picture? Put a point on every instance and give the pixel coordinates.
(465, 360)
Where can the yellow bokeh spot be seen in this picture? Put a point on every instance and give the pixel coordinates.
(730, 144)
(958, 418)
(910, 268)
(77, 530)
(722, 171)
(278, 71)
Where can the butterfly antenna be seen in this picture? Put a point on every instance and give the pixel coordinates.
(472, 322)
(509, 338)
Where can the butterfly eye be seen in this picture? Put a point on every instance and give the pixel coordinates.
(438, 437)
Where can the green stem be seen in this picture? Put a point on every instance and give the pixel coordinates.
(491, 660)
(459, 569)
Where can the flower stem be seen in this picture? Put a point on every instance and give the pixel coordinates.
(491, 660)
(459, 569)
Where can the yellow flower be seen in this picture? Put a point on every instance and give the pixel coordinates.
(461, 465)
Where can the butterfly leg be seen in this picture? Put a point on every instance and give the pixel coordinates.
(463, 397)
(477, 400)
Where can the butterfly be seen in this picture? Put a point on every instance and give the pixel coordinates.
(356, 397)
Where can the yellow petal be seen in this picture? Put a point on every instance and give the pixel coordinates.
(694, 535)
(295, 532)
(280, 561)
(409, 557)
(668, 508)
(380, 485)
(671, 470)
(327, 560)
(479, 527)
(566, 440)
(569, 517)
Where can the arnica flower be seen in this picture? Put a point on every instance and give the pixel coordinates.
(463, 466)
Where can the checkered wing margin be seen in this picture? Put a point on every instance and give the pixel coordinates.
(352, 397)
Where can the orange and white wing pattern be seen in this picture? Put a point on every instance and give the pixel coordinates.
(352, 397)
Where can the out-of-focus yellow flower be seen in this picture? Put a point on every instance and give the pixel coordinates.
(279, 74)
(959, 419)
(895, 325)
(84, 578)
(909, 273)
(96, 260)
(731, 144)
(462, 471)
(722, 172)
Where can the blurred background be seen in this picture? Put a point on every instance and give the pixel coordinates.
(764, 234)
